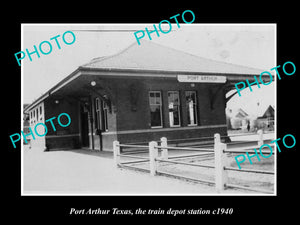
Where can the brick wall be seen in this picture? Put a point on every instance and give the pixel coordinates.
(175, 134)
(130, 112)
(129, 118)
(133, 113)
(63, 137)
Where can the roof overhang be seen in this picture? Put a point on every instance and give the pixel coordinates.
(87, 74)
(52, 90)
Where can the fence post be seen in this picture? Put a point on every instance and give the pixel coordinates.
(153, 154)
(164, 152)
(217, 138)
(220, 161)
(116, 148)
(260, 141)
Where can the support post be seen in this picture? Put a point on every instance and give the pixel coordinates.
(153, 154)
(221, 176)
(116, 148)
(260, 141)
(164, 152)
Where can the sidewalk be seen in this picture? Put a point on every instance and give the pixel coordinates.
(67, 172)
(93, 172)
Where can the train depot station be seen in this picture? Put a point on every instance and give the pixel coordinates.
(139, 95)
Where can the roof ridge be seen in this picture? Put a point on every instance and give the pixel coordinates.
(218, 61)
(108, 56)
(151, 44)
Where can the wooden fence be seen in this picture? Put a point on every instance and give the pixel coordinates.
(158, 152)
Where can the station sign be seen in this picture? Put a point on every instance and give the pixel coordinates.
(201, 78)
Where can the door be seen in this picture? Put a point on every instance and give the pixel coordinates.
(99, 121)
(84, 127)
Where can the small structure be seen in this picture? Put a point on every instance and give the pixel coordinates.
(25, 121)
(265, 120)
(237, 119)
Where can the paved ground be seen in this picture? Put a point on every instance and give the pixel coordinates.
(71, 172)
(67, 172)
(87, 172)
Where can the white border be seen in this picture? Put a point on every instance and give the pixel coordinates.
(275, 119)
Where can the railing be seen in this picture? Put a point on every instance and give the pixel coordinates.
(154, 159)
(129, 154)
(222, 168)
(218, 151)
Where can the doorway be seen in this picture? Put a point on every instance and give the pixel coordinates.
(84, 132)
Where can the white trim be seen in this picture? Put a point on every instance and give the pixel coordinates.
(128, 72)
(98, 113)
(201, 78)
(164, 129)
(66, 82)
(179, 107)
(192, 125)
(60, 136)
(104, 112)
(34, 104)
(156, 127)
(194, 104)
(160, 106)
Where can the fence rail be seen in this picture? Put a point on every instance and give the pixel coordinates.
(248, 188)
(133, 146)
(187, 149)
(128, 154)
(249, 170)
(184, 163)
(158, 154)
(186, 177)
(189, 155)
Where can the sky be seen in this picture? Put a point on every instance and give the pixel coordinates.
(251, 45)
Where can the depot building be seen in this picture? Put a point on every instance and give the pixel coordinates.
(141, 94)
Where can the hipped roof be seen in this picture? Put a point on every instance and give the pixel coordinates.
(151, 56)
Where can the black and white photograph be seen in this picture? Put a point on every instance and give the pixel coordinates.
(131, 113)
(173, 108)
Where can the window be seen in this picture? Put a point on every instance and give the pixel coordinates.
(174, 108)
(101, 115)
(191, 107)
(98, 113)
(155, 108)
(105, 113)
(41, 117)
